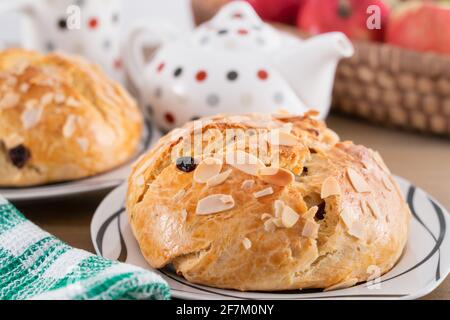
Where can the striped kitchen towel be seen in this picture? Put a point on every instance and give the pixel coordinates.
(36, 265)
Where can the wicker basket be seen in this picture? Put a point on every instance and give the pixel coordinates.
(383, 84)
(395, 87)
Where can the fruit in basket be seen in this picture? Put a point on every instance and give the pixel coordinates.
(355, 18)
(421, 26)
(284, 11)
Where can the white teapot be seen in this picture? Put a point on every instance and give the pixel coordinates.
(234, 63)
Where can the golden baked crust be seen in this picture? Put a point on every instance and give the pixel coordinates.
(61, 118)
(363, 219)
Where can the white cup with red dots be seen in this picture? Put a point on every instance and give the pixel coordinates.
(83, 27)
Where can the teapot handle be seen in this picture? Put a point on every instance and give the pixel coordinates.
(144, 36)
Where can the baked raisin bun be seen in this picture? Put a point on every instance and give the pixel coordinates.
(306, 211)
(61, 119)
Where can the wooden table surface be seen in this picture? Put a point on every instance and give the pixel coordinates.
(423, 160)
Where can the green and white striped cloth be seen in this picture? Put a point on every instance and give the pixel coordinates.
(36, 265)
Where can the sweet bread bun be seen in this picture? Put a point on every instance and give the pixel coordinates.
(327, 215)
(61, 119)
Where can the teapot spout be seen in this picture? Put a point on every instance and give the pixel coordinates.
(333, 44)
(310, 68)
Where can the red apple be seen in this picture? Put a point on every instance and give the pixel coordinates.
(422, 26)
(348, 16)
(284, 11)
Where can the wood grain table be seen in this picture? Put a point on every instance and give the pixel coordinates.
(423, 160)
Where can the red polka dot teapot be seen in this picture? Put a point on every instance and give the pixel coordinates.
(234, 63)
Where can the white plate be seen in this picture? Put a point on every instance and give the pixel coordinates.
(99, 182)
(422, 267)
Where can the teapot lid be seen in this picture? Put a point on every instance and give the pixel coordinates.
(237, 27)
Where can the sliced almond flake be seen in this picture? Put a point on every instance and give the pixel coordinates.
(183, 215)
(311, 113)
(354, 227)
(396, 187)
(277, 222)
(278, 207)
(72, 102)
(24, 87)
(282, 115)
(365, 164)
(214, 204)
(330, 187)
(179, 195)
(247, 184)
(13, 140)
(244, 162)
(20, 66)
(246, 242)
(46, 82)
(365, 208)
(331, 137)
(342, 285)
(83, 143)
(282, 111)
(357, 181)
(268, 171)
(310, 229)
(269, 225)
(30, 104)
(31, 117)
(47, 98)
(104, 135)
(387, 183)
(278, 137)
(11, 81)
(267, 160)
(237, 119)
(262, 193)
(137, 161)
(289, 217)
(311, 213)
(143, 167)
(373, 206)
(347, 216)
(219, 179)
(265, 216)
(140, 181)
(276, 176)
(177, 133)
(380, 162)
(287, 127)
(357, 229)
(59, 98)
(9, 100)
(69, 126)
(207, 168)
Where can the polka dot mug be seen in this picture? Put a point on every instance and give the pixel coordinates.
(84, 27)
(234, 63)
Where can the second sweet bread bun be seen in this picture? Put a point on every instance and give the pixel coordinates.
(312, 212)
(61, 118)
